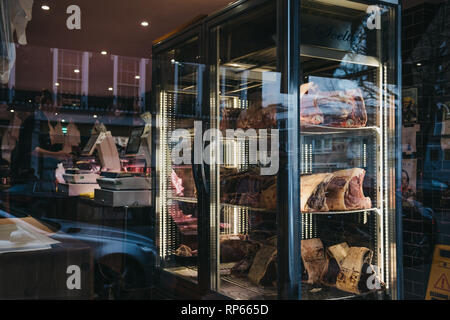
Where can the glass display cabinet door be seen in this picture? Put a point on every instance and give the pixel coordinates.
(349, 102)
(178, 87)
(245, 96)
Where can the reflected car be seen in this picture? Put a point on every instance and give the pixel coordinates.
(124, 261)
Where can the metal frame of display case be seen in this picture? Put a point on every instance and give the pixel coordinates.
(289, 220)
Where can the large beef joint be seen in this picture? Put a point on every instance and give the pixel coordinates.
(314, 260)
(313, 192)
(310, 113)
(246, 188)
(343, 108)
(353, 266)
(345, 191)
(338, 191)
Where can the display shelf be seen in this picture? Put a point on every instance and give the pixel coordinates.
(258, 60)
(240, 288)
(246, 207)
(188, 273)
(250, 60)
(183, 199)
(338, 55)
(314, 292)
(332, 213)
(321, 130)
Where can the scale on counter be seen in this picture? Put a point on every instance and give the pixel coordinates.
(120, 189)
(76, 181)
(78, 176)
(123, 181)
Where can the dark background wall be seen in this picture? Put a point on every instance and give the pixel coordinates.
(426, 66)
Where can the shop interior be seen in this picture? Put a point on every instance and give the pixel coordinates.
(92, 93)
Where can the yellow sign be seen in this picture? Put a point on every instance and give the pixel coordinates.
(439, 284)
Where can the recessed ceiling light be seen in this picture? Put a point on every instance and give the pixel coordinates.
(145, 23)
(12, 110)
(56, 84)
(104, 52)
(45, 7)
(63, 120)
(56, 113)
(95, 116)
(419, 64)
(110, 89)
(76, 70)
(137, 77)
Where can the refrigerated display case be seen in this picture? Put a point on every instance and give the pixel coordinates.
(295, 106)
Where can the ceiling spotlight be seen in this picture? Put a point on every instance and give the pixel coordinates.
(137, 77)
(145, 23)
(110, 89)
(56, 84)
(95, 116)
(45, 7)
(12, 110)
(63, 120)
(76, 70)
(56, 113)
(104, 52)
(419, 64)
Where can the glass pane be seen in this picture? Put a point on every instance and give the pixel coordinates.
(178, 91)
(347, 120)
(245, 91)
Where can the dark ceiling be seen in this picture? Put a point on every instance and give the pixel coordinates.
(113, 25)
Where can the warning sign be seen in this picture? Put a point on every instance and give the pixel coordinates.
(438, 284)
(442, 283)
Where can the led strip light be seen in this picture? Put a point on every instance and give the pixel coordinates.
(386, 211)
(381, 182)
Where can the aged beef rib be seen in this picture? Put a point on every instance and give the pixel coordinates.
(313, 192)
(345, 191)
(344, 109)
(310, 113)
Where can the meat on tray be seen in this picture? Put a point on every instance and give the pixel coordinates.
(338, 191)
